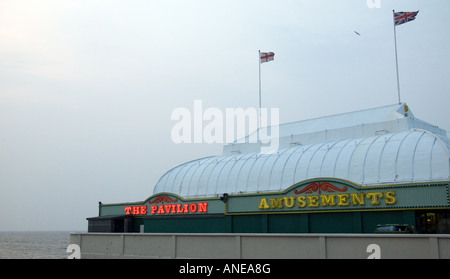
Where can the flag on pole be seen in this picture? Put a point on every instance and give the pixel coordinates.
(266, 57)
(399, 19)
(404, 17)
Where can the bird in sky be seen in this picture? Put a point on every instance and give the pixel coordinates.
(357, 33)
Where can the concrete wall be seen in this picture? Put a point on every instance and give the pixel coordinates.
(265, 246)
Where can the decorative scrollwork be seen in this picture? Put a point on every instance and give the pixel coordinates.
(320, 186)
(164, 198)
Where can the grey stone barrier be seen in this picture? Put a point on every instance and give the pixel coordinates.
(261, 246)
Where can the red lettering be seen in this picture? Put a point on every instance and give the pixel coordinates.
(193, 207)
(136, 210)
(169, 208)
(203, 207)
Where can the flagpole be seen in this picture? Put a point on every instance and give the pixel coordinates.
(259, 121)
(396, 59)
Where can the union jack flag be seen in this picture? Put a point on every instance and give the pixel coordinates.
(404, 17)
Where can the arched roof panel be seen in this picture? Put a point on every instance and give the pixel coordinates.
(401, 157)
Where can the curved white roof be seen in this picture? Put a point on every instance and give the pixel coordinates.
(413, 155)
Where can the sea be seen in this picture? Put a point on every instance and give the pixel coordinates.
(34, 245)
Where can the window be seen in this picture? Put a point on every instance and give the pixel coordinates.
(433, 221)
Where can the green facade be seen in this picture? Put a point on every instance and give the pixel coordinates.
(313, 206)
(348, 222)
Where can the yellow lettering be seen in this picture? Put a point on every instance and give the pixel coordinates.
(328, 200)
(375, 197)
(289, 202)
(263, 204)
(390, 198)
(358, 198)
(276, 203)
(343, 199)
(301, 201)
(313, 201)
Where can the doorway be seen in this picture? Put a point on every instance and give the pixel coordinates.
(433, 221)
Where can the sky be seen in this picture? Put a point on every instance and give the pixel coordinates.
(88, 87)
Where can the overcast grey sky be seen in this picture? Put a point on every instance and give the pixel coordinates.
(87, 87)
